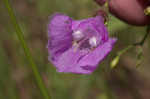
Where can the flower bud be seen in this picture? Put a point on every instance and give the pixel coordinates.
(130, 11)
(100, 2)
(103, 14)
(147, 11)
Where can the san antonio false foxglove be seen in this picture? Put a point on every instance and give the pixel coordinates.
(77, 46)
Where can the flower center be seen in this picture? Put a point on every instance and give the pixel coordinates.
(84, 41)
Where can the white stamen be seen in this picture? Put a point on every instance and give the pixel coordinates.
(77, 35)
(93, 41)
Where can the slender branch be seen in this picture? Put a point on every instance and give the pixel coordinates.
(20, 36)
(144, 38)
(115, 61)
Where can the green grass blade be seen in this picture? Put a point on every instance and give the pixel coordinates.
(20, 36)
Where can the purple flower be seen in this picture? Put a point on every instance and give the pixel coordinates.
(77, 46)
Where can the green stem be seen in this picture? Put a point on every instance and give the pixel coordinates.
(136, 44)
(116, 59)
(20, 35)
(144, 38)
(125, 50)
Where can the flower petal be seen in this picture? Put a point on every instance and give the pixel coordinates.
(68, 62)
(59, 33)
(97, 22)
(93, 58)
(82, 62)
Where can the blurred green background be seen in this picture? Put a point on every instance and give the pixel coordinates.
(126, 81)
